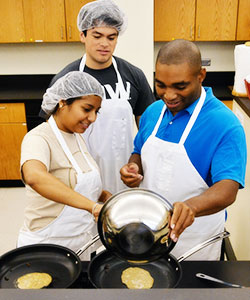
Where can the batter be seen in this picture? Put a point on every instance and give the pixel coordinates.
(137, 278)
(33, 281)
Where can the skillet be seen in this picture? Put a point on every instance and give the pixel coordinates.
(106, 268)
(60, 262)
(105, 271)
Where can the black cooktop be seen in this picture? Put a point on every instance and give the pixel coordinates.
(237, 272)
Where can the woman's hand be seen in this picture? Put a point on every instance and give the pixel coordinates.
(130, 175)
(182, 217)
(96, 210)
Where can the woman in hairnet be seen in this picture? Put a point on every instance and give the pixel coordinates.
(62, 180)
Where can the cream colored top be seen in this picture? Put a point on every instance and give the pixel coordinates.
(41, 144)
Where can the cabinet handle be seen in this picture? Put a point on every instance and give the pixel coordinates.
(199, 31)
(70, 33)
(62, 32)
(3, 107)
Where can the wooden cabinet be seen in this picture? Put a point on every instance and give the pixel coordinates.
(12, 130)
(228, 103)
(30, 21)
(44, 20)
(39, 20)
(216, 20)
(72, 9)
(174, 19)
(199, 20)
(243, 26)
(12, 22)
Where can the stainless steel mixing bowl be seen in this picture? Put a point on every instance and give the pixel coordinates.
(134, 223)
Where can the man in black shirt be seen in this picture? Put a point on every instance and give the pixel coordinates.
(110, 138)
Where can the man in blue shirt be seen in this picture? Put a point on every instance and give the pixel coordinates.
(190, 148)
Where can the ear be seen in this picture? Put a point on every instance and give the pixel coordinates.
(82, 37)
(202, 74)
(62, 103)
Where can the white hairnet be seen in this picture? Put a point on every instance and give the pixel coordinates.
(101, 13)
(73, 84)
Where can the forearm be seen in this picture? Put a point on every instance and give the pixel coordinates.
(53, 189)
(214, 199)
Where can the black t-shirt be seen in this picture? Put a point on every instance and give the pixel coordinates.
(133, 78)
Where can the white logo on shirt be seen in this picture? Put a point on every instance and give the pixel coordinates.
(119, 91)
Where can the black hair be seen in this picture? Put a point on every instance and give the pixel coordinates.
(68, 101)
(179, 51)
(107, 21)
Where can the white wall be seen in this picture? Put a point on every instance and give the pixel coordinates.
(135, 45)
(238, 221)
(49, 58)
(220, 53)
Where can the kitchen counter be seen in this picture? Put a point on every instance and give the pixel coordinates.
(32, 87)
(16, 88)
(190, 287)
(156, 294)
(25, 88)
(244, 103)
(29, 89)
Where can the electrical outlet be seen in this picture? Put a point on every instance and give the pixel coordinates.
(206, 62)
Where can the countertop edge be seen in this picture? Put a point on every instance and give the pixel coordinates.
(114, 294)
(244, 103)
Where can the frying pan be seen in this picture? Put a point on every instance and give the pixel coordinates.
(106, 268)
(128, 219)
(64, 265)
(105, 271)
(61, 263)
(134, 224)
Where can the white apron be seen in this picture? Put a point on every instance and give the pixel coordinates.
(73, 227)
(169, 172)
(110, 138)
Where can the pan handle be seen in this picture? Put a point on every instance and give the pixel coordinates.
(204, 276)
(88, 244)
(206, 243)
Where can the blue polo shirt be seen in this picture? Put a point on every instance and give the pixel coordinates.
(216, 144)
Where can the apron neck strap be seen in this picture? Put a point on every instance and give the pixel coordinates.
(191, 120)
(84, 155)
(64, 146)
(82, 63)
(123, 93)
(159, 120)
(194, 116)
